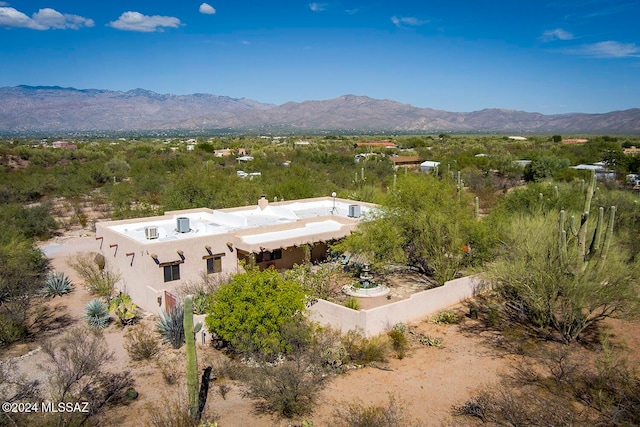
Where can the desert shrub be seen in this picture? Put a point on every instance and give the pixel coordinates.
(96, 314)
(289, 388)
(446, 317)
(56, 284)
(364, 350)
(399, 341)
(140, 343)
(76, 371)
(171, 328)
(170, 367)
(173, 411)
(99, 279)
(352, 303)
(357, 414)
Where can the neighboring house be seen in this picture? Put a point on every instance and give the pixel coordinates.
(383, 144)
(517, 138)
(602, 173)
(158, 254)
(244, 158)
(631, 151)
(429, 166)
(64, 144)
(222, 153)
(408, 162)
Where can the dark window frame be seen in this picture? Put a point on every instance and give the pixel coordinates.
(171, 272)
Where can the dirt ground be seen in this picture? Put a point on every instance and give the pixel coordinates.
(426, 383)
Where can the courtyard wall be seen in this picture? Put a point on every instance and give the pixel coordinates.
(374, 321)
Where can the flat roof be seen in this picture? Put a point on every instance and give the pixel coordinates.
(207, 222)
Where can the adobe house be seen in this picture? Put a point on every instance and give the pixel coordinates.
(156, 255)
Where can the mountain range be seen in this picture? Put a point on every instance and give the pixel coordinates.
(26, 109)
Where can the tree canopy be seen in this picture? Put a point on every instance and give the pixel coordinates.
(426, 223)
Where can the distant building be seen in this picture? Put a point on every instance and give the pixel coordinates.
(383, 144)
(408, 162)
(517, 138)
(64, 144)
(222, 153)
(573, 141)
(602, 173)
(429, 166)
(631, 151)
(158, 254)
(244, 158)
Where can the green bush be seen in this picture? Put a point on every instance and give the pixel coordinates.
(363, 350)
(250, 312)
(399, 341)
(447, 317)
(352, 303)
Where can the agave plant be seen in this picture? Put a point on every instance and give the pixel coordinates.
(56, 285)
(171, 326)
(96, 313)
(124, 308)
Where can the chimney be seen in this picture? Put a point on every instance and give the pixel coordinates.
(263, 202)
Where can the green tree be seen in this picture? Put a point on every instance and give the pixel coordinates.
(425, 223)
(118, 168)
(250, 311)
(544, 167)
(22, 274)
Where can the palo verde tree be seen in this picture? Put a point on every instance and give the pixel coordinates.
(565, 273)
(424, 223)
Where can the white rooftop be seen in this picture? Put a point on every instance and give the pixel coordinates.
(208, 223)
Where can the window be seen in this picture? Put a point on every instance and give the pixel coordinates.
(171, 272)
(269, 255)
(214, 265)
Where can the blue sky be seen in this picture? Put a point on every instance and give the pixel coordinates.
(458, 55)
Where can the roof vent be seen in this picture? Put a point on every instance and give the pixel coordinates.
(354, 211)
(151, 233)
(183, 225)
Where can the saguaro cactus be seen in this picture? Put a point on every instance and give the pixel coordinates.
(586, 250)
(192, 360)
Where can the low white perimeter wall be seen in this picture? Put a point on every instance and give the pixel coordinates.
(375, 320)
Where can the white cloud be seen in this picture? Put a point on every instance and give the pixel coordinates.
(401, 22)
(557, 34)
(318, 7)
(135, 21)
(608, 49)
(207, 9)
(44, 19)
(51, 18)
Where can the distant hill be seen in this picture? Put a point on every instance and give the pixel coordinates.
(25, 109)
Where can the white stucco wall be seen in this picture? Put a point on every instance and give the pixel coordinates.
(376, 320)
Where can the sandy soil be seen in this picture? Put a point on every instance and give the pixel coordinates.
(427, 382)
